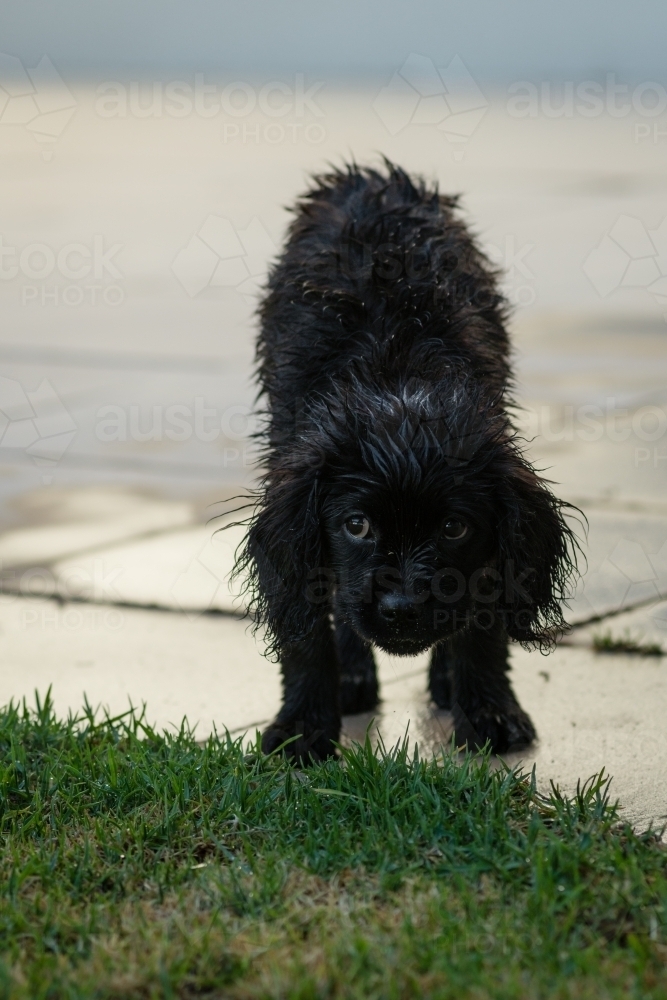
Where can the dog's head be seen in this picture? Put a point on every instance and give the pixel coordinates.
(413, 515)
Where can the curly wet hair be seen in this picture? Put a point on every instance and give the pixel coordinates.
(397, 508)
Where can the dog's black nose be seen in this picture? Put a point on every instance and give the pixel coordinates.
(397, 608)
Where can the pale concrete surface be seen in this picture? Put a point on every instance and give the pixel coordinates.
(590, 711)
(592, 391)
(125, 419)
(80, 520)
(188, 570)
(208, 668)
(646, 626)
(541, 193)
(625, 562)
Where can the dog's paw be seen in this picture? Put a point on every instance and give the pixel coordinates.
(358, 693)
(309, 746)
(440, 689)
(505, 729)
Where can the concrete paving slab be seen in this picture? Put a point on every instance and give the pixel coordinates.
(594, 712)
(208, 668)
(594, 403)
(186, 570)
(591, 712)
(76, 520)
(626, 553)
(582, 357)
(148, 417)
(646, 625)
(617, 473)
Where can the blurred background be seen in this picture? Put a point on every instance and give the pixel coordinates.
(149, 153)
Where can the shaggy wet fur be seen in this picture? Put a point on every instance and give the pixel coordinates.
(397, 510)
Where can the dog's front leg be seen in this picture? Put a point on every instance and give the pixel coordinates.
(358, 673)
(484, 705)
(311, 698)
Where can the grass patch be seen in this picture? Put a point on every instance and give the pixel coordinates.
(605, 642)
(144, 865)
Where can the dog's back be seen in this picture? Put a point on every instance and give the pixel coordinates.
(377, 269)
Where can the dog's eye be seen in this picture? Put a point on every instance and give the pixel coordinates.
(455, 529)
(358, 526)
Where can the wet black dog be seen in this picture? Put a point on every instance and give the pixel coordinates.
(397, 510)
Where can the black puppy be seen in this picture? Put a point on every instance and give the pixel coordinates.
(397, 509)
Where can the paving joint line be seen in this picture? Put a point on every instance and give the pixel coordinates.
(614, 613)
(162, 608)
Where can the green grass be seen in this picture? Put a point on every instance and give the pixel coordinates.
(606, 642)
(144, 865)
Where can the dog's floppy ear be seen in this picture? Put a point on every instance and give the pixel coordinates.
(287, 582)
(536, 553)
